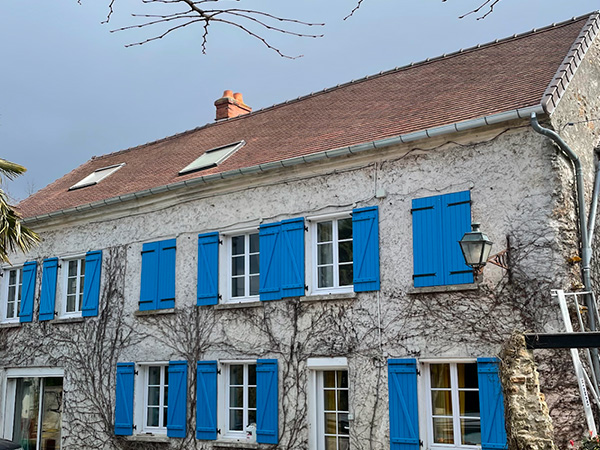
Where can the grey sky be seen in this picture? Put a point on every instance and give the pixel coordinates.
(70, 90)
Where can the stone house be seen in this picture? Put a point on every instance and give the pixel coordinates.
(291, 278)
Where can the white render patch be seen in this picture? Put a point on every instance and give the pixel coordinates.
(96, 176)
(212, 158)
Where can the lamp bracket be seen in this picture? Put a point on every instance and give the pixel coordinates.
(500, 259)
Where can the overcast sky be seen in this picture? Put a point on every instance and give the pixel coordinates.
(71, 90)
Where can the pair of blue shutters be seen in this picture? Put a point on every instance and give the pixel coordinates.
(91, 287)
(158, 275)
(267, 413)
(404, 413)
(282, 258)
(439, 222)
(177, 399)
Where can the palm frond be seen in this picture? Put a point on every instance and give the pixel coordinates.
(10, 169)
(13, 235)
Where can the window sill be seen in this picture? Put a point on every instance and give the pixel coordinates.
(451, 288)
(327, 297)
(154, 312)
(232, 305)
(10, 325)
(67, 320)
(239, 444)
(148, 438)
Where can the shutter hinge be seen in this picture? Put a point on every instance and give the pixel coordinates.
(420, 443)
(220, 297)
(55, 313)
(220, 241)
(306, 287)
(219, 371)
(458, 272)
(135, 427)
(305, 228)
(218, 431)
(460, 203)
(421, 209)
(2, 274)
(136, 372)
(424, 275)
(418, 373)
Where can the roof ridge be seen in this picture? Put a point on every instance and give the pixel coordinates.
(565, 72)
(358, 80)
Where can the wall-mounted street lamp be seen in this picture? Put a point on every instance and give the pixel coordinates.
(476, 248)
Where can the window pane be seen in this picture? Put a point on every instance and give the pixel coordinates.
(440, 375)
(329, 400)
(237, 245)
(12, 277)
(236, 375)
(342, 400)
(343, 424)
(153, 417)
(441, 403)
(345, 228)
(71, 303)
(469, 403)
(325, 276)
(236, 419)
(82, 262)
(330, 443)
(325, 255)
(254, 285)
(330, 423)
(10, 310)
(345, 251)
(342, 378)
(329, 378)
(11, 293)
(72, 268)
(470, 431)
(236, 397)
(467, 375)
(153, 396)
(165, 417)
(251, 397)
(346, 275)
(324, 232)
(254, 243)
(166, 372)
(252, 374)
(442, 431)
(251, 416)
(154, 376)
(237, 287)
(344, 443)
(254, 266)
(71, 285)
(27, 409)
(237, 265)
(51, 413)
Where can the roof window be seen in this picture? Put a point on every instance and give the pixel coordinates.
(212, 158)
(96, 176)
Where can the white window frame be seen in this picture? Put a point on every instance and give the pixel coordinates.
(225, 256)
(4, 308)
(223, 396)
(140, 418)
(426, 416)
(64, 268)
(10, 391)
(312, 255)
(316, 367)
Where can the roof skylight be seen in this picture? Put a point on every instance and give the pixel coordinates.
(96, 176)
(212, 158)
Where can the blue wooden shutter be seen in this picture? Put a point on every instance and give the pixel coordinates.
(403, 404)
(456, 221)
(206, 400)
(166, 274)
(491, 404)
(28, 291)
(149, 284)
(208, 269)
(365, 243)
(270, 261)
(292, 258)
(48, 295)
(177, 399)
(124, 399)
(267, 402)
(91, 284)
(427, 238)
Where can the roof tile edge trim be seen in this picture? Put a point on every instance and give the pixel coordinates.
(559, 83)
(521, 113)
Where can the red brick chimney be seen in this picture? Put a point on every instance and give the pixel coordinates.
(231, 105)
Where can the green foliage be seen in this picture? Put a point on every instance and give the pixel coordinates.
(589, 443)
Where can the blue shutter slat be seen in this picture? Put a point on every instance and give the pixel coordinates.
(48, 295)
(177, 399)
(149, 284)
(403, 404)
(267, 402)
(206, 400)
(456, 221)
(208, 269)
(427, 251)
(166, 274)
(365, 242)
(28, 291)
(270, 261)
(124, 399)
(292, 258)
(491, 404)
(91, 284)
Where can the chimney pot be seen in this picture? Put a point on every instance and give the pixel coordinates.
(231, 105)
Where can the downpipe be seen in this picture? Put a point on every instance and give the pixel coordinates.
(586, 250)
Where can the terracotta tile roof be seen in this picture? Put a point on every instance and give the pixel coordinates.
(493, 78)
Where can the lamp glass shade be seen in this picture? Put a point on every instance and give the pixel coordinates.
(476, 247)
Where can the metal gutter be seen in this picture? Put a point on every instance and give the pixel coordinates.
(522, 113)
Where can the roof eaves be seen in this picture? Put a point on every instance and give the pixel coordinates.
(378, 144)
(563, 76)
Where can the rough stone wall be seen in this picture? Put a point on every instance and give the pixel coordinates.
(511, 173)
